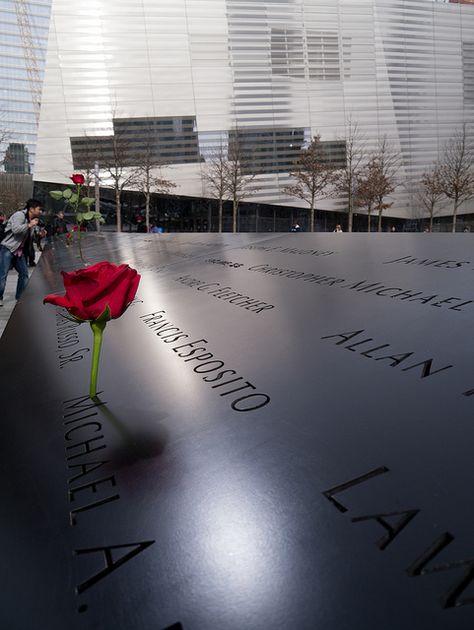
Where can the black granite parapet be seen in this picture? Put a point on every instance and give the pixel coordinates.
(283, 438)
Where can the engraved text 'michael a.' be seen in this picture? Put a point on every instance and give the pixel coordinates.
(110, 563)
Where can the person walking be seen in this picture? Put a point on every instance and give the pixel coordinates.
(16, 243)
(59, 224)
(36, 235)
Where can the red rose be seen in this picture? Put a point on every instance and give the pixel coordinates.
(91, 290)
(77, 178)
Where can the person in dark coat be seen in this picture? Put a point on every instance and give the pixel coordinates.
(59, 224)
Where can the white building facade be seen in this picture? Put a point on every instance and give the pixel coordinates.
(189, 75)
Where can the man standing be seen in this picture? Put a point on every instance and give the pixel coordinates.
(15, 244)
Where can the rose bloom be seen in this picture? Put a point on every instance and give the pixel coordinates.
(77, 178)
(91, 290)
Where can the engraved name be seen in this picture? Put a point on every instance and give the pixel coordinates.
(84, 439)
(90, 487)
(393, 524)
(227, 294)
(366, 286)
(289, 250)
(428, 262)
(67, 338)
(369, 348)
(227, 380)
(66, 331)
(224, 263)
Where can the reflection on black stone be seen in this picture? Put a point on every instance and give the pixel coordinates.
(139, 444)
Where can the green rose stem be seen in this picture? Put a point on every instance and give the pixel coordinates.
(79, 224)
(98, 329)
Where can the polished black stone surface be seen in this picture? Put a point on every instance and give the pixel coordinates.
(306, 463)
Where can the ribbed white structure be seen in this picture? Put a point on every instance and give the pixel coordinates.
(276, 71)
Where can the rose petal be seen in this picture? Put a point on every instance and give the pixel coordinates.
(57, 300)
(91, 290)
(114, 291)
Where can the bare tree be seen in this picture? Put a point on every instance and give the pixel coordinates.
(431, 192)
(379, 179)
(88, 158)
(15, 188)
(366, 191)
(4, 137)
(215, 178)
(456, 170)
(347, 177)
(115, 161)
(115, 156)
(145, 179)
(314, 172)
(239, 180)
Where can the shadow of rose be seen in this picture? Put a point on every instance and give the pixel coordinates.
(146, 441)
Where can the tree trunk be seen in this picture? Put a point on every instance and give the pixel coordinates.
(349, 215)
(147, 211)
(379, 227)
(311, 218)
(368, 220)
(97, 195)
(234, 216)
(193, 217)
(221, 204)
(118, 209)
(455, 215)
(431, 220)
